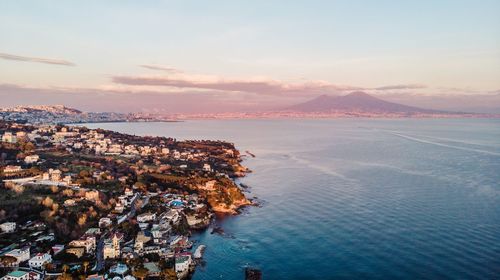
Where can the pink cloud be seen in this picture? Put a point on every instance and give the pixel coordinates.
(247, 85)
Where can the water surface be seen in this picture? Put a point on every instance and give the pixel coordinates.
(356, 198)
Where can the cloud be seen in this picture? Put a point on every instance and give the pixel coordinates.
(36, 59)
(160, 68)
(247, 85)
(121, 99)
(396, 87)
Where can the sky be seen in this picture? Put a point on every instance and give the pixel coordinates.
(216, 56)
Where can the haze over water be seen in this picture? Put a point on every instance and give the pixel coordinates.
(356, 198)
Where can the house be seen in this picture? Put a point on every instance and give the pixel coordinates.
(104, 222)
(206, 167)
(180, 242)
(93, 231)
(182, 263)
(12, 169)
(57, 248)
(31, 159)
(21, 255)
(9, 138)
(17, 275)
(8, 227)
(152, 250)
(86, 242)
(92, 195)
(55, 175)
(146, 217)
(129, 192)
(69, 202)
(77, 251)
(119, 208)
(39, 260)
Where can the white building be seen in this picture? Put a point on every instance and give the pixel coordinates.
(182, 263)
(8, 227)
(146, 217)
(21, 255)
(9, 137)
(39, 260)
(31, 159)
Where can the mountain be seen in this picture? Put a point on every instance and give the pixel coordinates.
(356, 102)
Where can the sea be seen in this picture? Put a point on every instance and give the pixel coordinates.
(355, 198)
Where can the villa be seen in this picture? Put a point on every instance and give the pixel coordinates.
(39, 260)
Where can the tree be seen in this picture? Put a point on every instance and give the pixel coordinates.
(7, 261)
(65, 275)
(141, 273)
(168, 274)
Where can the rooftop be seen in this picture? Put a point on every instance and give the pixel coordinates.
(17, 273)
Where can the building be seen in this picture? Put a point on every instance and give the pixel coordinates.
(9, 138)
(77, 251)
(104, 222)
(206, 167)
(95, 277)
(69, 202)
(182, 263)
(57, 248)
(21, 255)
(17, 275)
(112, 246)
(8, 227)
(39, 260)
(129, 192)
(146, 217)
(86, 242)
(55, 175)
(31, 159)
(92, 195)
(12, 169)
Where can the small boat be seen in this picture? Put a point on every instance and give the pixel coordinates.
(198, 253)
(249, 153)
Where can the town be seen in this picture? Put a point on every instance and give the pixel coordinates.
(78, 203)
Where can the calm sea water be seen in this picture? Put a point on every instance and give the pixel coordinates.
(365, 199)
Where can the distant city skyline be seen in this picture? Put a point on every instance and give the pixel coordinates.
(201, 56)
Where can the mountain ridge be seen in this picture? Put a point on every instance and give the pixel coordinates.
(357, 101)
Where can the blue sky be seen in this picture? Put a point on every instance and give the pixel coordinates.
(438, 45)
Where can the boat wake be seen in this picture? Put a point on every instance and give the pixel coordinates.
(415, 139)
